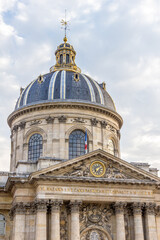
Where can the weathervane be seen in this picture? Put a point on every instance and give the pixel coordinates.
(64, 23)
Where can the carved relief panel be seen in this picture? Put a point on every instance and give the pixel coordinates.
(95, 222)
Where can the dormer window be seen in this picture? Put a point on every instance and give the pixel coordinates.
(76, 77)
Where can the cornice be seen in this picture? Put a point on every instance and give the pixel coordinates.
(67, 105)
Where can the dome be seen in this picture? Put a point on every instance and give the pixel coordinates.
(65, 86)
(65, 83)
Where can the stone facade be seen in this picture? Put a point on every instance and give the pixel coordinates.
(94, 196)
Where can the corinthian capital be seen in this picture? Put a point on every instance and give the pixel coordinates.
(150, 208)
(41, 205)
(119, 207)
(74, 206)
(55, 205)
(137, 207)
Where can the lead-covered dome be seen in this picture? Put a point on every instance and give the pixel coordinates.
(65, 83)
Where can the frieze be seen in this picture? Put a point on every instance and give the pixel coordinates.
(35, 122)
(94, 191)
(79, 120)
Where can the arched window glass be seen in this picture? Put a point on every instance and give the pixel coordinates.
(61, 59)
(2, 225)
(35, 147)
(111, 148)
(67, 58)
(76, 144)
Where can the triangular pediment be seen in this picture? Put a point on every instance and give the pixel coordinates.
(97, 165)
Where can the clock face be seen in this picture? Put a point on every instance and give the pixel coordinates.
(97, 169)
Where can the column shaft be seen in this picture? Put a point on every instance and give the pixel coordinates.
(75, 225)
(120, 226)
(55, 220)
(151, 222)
(138, 225)
(41, 221)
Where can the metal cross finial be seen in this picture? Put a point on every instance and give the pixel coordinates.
(64, 23)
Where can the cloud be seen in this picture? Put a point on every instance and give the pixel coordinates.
(116, 42)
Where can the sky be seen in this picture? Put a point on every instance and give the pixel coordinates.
(117, 42)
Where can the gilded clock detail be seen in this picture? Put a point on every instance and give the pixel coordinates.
(97, 169)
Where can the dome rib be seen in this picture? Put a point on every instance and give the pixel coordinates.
(62, 86)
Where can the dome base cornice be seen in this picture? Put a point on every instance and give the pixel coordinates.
(64, 105)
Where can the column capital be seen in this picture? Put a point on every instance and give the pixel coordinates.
(137, 207)
(119, 207)
(17, 208)
(74, 206)
(150, 208)
(55, 205)
(41, 205)
(158, 210)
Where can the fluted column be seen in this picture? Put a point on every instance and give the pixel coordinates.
(120, 226)
(138, 225)
(151, 221)
(75, 226)
(41, 220)
(55, 219)
(158, 221)
(18, 213)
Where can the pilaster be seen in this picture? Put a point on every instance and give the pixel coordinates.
(41, 220)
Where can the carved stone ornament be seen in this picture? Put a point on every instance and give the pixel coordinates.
(15, 128)
(17, 208)
(79, 171)
(79, 120)
(119, 207)
(150, 208)
(94, 121)
(114, 173)
(55, 205)
(22, 125)
(103, 124)
(137, 207)
(49, 119)
(98, 215)
(35, 122)
(158, 210)
(41, 205)
(94, 234)
(74, 206)
(62, 119)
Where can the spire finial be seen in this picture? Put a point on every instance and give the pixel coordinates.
(64, 23)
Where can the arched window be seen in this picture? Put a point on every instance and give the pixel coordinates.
(76, 144)
(2, 225)
(111, 148)
(61, 59)
(35, 147)
(67, 58)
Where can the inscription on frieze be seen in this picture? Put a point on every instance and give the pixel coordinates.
(49, 190)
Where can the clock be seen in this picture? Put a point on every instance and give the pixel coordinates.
(97, 169)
